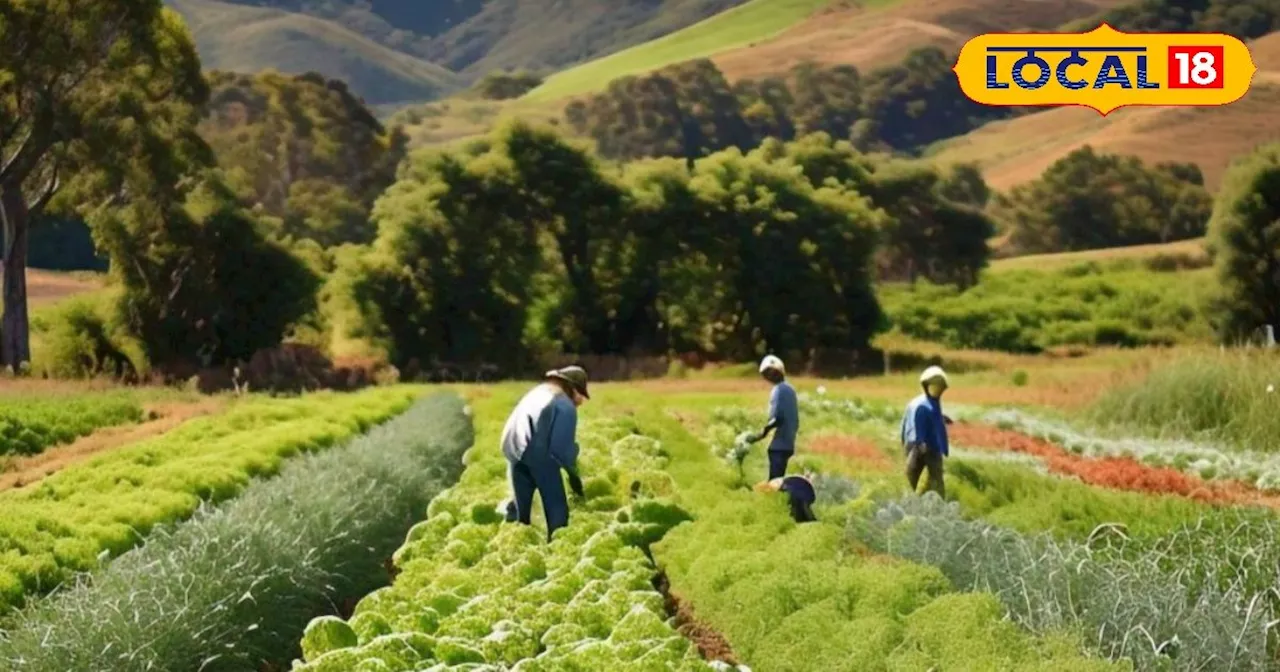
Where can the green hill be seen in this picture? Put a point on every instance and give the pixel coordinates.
(740, 26)
(248, 39)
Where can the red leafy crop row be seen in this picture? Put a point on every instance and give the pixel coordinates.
(1121, 473)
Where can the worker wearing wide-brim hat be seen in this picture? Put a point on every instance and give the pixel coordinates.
(540, 439)
(924, 432)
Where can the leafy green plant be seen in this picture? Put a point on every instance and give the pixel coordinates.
(30, 424)
(474, 590)
(233, 587)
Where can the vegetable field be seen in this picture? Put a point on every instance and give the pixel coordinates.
(82, 515)
(30, 424)
(365, 532)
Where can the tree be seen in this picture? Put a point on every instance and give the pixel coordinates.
(448, 277)
(507, 85)
(88, 89)
(929, 235)
(1245, 234)
(203, 283)
(1087, 200)
(304, 149)
(797, 258)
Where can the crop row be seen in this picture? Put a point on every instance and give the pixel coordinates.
(1210, 462)
(72, 520)
(30, 424)
(1132, 606)
(791, 597)
(477, 593)
(233, 587)
(1165, 582)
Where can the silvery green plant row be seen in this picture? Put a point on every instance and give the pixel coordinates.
(235, 585)
(1174, 604)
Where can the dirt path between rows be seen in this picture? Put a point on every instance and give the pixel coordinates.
(711, 644)
(26, 470)
(1121, 473)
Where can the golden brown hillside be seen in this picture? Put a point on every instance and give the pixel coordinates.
(1018, 150)
(869, 37)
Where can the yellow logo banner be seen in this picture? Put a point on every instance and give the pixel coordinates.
(1104, 69)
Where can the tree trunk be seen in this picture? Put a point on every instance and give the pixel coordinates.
(15, 340)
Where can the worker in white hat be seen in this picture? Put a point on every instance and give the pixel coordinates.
(784, 417)
(924, 432)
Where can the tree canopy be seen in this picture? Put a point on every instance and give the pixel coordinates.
(302, 150)
(1245, 236)
(1087, 200)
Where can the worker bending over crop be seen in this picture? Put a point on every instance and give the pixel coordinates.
(924, 432)
(540, 439)
(800, 495)
(784, 417)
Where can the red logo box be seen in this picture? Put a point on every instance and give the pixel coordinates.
(1195, 67)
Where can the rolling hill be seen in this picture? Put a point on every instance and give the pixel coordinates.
(875, 33)
(251, 39)
(1018, 150)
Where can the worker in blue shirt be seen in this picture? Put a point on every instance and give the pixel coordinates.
(784, 417)
(924, 432)
(540, 439)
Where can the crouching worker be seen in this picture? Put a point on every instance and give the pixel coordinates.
(800, 495)
(540, 439)
(924, 432)
(784, 417)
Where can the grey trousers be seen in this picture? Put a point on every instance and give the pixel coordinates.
(920, 459)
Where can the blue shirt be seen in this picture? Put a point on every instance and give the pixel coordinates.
(543, 425)
(784, 409)
(923, 423)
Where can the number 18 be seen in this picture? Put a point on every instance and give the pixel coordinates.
(1195, 67)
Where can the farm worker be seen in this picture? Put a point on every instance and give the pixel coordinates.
(784, 417)
(924, 431)
(800, 495)
(540, 439)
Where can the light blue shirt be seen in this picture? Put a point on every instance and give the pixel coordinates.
(543, 425)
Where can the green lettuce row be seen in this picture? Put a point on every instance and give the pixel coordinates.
(74, 519)
(232, 588)
(29, 425)
(476, 593)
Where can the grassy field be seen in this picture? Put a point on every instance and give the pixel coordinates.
(743, 25)
(244, 38)
(1190, 249)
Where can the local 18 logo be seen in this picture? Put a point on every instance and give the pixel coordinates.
(1104, 69)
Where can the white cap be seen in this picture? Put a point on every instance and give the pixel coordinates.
(772, 362)
(932, 373)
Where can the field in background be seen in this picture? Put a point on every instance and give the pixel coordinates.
(47, 287)
(1192, 249)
